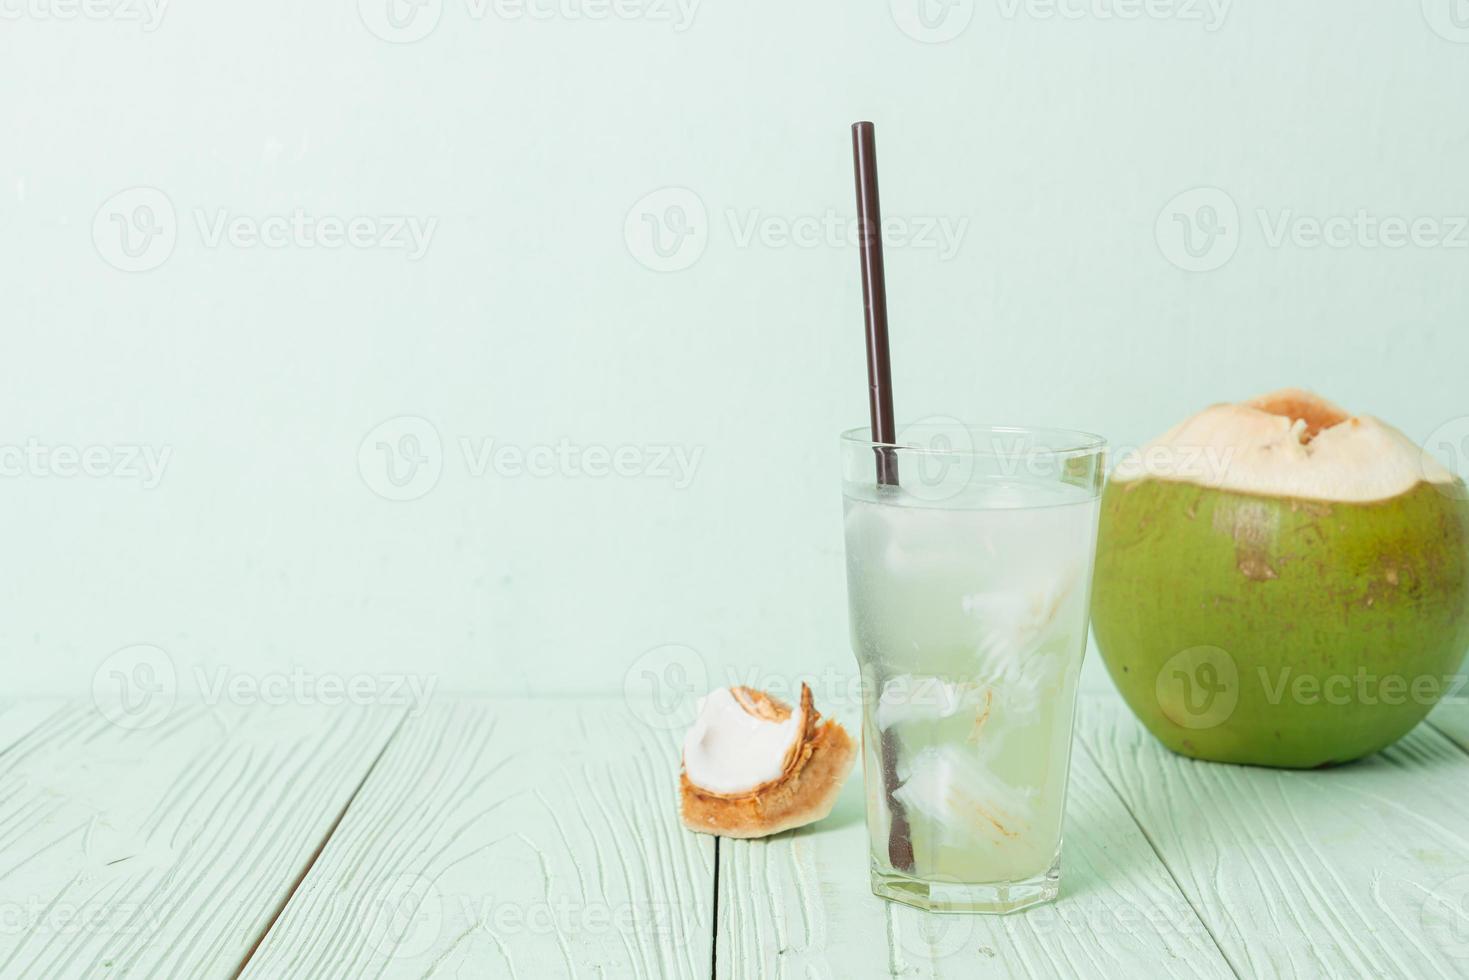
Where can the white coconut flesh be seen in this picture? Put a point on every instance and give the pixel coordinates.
(957, 790)
(1289, 443)
(731, 750)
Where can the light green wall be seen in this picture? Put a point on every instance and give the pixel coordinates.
(1058, 144)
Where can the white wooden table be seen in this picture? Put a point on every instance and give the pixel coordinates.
(532, 839)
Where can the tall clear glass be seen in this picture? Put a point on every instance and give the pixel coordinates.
(968, 583)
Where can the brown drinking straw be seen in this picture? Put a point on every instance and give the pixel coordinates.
(874, 301)
(880, 406)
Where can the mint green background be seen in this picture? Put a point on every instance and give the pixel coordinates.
(530, 321)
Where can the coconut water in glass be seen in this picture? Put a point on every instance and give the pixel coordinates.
(968, 580)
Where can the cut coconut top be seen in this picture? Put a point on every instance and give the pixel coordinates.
(742, 740)
(1289, 443)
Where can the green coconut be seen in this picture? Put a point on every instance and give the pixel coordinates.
(1280, 583)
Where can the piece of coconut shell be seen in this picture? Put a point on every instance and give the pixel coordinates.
(814, 768)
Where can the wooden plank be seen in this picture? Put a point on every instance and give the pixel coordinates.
(1452, 719)
(167, 850)
(798, 905)
(508, 839)
(1361, 870)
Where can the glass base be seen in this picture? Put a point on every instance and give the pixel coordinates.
(993, 898)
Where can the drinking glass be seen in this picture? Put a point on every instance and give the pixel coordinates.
(969, 567)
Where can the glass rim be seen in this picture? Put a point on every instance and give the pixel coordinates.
(1072, 442)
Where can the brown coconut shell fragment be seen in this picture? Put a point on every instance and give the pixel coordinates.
(812, 773)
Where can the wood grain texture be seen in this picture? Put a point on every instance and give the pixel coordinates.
(523, 839)
(798, 905)
(1360, 870)
(166, 851)
(18, 718)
